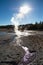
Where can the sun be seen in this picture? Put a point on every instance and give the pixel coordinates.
(25, 9)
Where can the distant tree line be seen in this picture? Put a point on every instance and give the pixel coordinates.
(7, 26)
(36, 26)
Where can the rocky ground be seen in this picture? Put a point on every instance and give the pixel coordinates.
(11, 54)
(35, 44)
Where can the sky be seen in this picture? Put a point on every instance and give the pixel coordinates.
(10, 8)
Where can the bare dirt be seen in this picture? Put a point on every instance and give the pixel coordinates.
(10, 54)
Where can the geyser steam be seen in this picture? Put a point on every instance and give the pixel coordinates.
(23, 10)
(15, 21)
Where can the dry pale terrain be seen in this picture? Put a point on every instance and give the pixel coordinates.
(11, 54)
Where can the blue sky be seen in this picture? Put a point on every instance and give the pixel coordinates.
(10, 7)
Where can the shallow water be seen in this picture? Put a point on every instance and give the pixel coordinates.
(2, 33)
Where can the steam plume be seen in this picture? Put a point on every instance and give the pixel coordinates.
(23, 10)
(15, 20)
